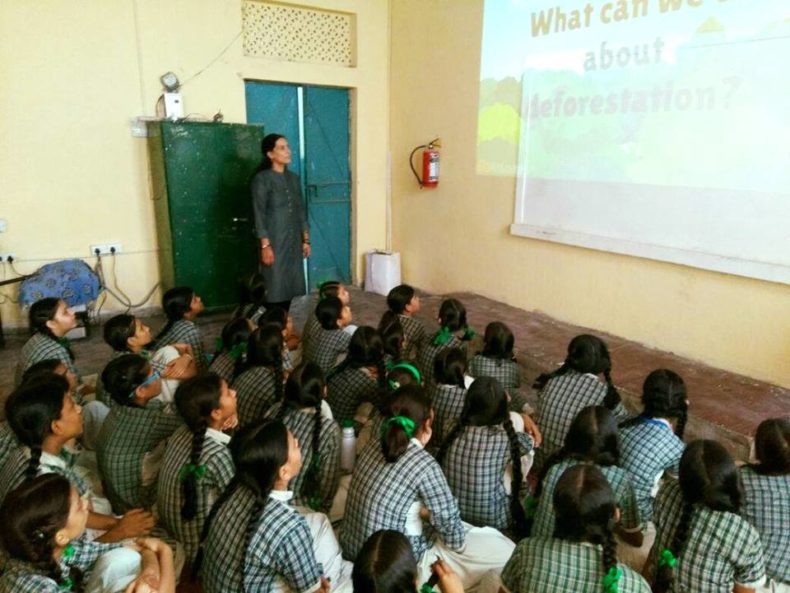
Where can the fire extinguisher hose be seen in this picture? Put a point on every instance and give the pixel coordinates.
(411, 163)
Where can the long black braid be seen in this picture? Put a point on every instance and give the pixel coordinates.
(518, 517)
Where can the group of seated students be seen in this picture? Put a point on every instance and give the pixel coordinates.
(224, 469)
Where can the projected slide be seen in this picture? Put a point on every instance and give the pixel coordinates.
(653, 127)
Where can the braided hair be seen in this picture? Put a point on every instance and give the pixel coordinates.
(123, 375)
(585, 508)
(709, 477)
(31, 410)
(44, 310)
(399, 298)
(486, 405)
(772, 447)
(365, 349)
(385, 564)
(305, 389)
(449, 367)
(259, 451)
(452, 318)
(663, 396)
(176, 303)
(252, 295)
(409, 402)
(31, 516)
(237, 331)
(586, 354)
(195, 400)
(392, 335)
(265, 349)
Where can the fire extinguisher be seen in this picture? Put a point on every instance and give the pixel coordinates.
(430, 164)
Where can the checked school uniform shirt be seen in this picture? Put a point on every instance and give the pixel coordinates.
(413, 336)
(649, 449)
(430, 351)
(475, 467)
(128, 433)
(281, 546)
(543, 524)
(561, 400)
(42, 347)
(448, 403)
(381, 495)
(721, 549)
(310, 327)
(548, 565)
(185, 331)
(23, 577)
(302, 423)
(215, 455)
(224, 366)
(325, 347)
(504, 371)
(254, 394)
(12, 474)
(767, 508)
(8, 442)
(349, 388)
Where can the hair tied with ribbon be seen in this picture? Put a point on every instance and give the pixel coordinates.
(667, 558)
(469, 333)
(64, 341)
(238, 351)
(192, 469)
(611, 581)
(426, 588)
(530, 506)
(407, 424)
(442, 336)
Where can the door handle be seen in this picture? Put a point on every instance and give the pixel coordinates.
(234, 219)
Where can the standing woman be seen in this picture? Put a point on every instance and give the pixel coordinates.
(280, 223)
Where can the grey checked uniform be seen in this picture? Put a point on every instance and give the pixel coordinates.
(224, 366)
(254, 394)
(301, 423)
(504, 371)
(548, 565)
(767, 508)
(128, 433)
(721, 549)
(280, 546)
(647, 451)
(448, 403)
(8, 442)
(23, 577)
(561, 400)
(325, 347)
(381, 494)
(185, 331)
(349, 388)
(12, 475)
(430, 351)
(543, 525)
(42, 347)
(413, 336)
(475, 467)
(219, 472)
(310, 327)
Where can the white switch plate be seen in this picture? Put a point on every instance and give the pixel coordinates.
(3, 225)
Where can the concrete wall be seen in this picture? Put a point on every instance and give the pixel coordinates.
(456, 237)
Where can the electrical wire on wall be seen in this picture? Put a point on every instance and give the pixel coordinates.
(122, 298)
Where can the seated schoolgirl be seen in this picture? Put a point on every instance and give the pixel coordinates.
(580, 554)
(43, 525)
(331, 288)
(292, 348)
(573, 386)
(592, 439)
(766, 503)
(253, 539)
(44, 417)
(398, 485)
(480, 448)
(404, 302)
(703, 544)
(259, 384)
(652, 443)
(329, 343)
(131, 443)
(497, 360)
(197, 466)
(252, 298)
(318, 435)
(360, 377)
(391, 332)
(126, 334)
(448, 393)
(182, 306)
(453, 332)
(386, 564)
(231, 348)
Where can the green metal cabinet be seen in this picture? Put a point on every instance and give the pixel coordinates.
(200, 176)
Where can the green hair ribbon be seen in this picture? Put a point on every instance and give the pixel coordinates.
(190, 469)
(530, 506)
(314, 502)
(442, 336)
(64, 341)
(426, 588)
(469, 333)
(218, 344)
(667, 558)
(407, 424)
(612, 579)
(66, 585)
(68, 552)
(238, 351)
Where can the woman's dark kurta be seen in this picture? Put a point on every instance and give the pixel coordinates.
(280, 216)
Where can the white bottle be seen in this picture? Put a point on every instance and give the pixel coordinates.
(348, 447)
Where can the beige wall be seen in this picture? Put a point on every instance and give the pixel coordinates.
(72, 77)
(456, 236)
